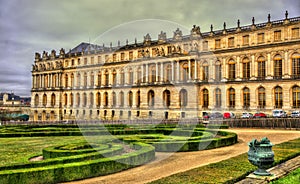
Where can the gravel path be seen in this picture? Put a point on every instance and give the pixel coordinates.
(167, 164)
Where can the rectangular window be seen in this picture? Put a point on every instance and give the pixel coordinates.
(231, 42)
(169, 49)
(260, 37)
(106, 58)
(122, 56)
(99, 59)
(246, 40)
(295, 32)
(92, 60)
(277, 35)
(114, 57)
(205, 46)
(131, 55)
(218, 73)
(217, 43)
(85, 61)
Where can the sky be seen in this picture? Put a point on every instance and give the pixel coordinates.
(29, 26)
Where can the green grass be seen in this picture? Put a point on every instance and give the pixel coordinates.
(230, 170)
(292, 178)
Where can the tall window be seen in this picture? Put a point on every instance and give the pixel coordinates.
(217, 43)
(122, 56)
(151, 98)
(66, 81)
(36, 100)
(65, 99)
(106, 76)
(278, 97)
(218, 71)
(72, 80)
(185, 72)
(260, 37)
(114, 57)
(261, 67)
(53, 99)
(84, 100)
(231, 98)
(98, 99)
(296, 96)
(131, 55)
(183, 98)
(295, 32)
(277, 35)
(105, 96)
(78, 80)
(114, 99)
(71, 99)
(246, 98)
(167, 98)
(84, 79)
(44, 100)
(114, 77)
(296, 65)
(138, 99)
(261, 97)
(121, 95)
(205, 45)
(205, 71)
(91, 97)
(231, 72)
(152, 77)
(139, 75)
(246, 40)
(99, 79)
(205, 98)
(246, 68)
(122, 77)
(78, 99)
(130, 72)
(168, 73)
(231, 42)
(218, 99)
(92, 80)
(130, 99)
(277, 66)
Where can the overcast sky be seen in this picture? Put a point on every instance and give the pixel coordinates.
(29, 26)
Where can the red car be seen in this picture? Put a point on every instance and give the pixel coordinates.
(260, 115)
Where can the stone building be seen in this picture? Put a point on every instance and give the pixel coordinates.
(246, 68)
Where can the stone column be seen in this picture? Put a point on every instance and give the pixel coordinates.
(238, 70)
(190, 69)
(147, 73)
(178, 71)
(268, 65)
(156, 72)
(196, 69)
(225, 69)
(142, 73)
(172, 63)
(253, 70)
(286, 64)
(161, 72)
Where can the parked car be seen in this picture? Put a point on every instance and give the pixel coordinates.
(216, 115)
(260, 115)
(227, 115)
(279, 113)
(247, 115)
(295, 114)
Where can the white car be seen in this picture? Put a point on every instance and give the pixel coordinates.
(247, 115)
(278, 113)
(295, 114)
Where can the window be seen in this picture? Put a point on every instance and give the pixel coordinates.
(98, 99)
(231, 98)
(66, 81)
(168, 73)
(277, 35)
(217, 43)
(78, 80)
(231, 42)
(114, 99)
(205, 98)
(151, 98)
(295, 32)
(71, 100)
(106, 76)
(44, 100)
(218, 71)
(246, 68)
(92, 80)
(122, 77)
(84, 103)
(65, 99)
(131, 55)
(184, 72)
(91, 99)
(130, 99)
(277, 67)
(121, 95)
(167, 98)
(296, 65)
(105, 96)
(114, 57)
(114, 77)
(99, 60)
(78, 99)
(152, 76)
(183, 98)
(231, 72)
(296, 96)
(72, 80)
(138, 99)
(53, 100)
(36, 100)
(218, 97)
(139, 75)
(205, 74)
(261, 68)
(92, 60)
(85, 79)
(99, 79)
(85, 61)
(106, 58)
(78, 62)
(246, 40)
(205, 46)
(260, 37)
(246, 98)
(278, 97)
(130, 71)
(261, 97)
(122, 56)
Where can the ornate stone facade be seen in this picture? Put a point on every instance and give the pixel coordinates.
(247, 68)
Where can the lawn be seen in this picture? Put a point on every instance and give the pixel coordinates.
(293, 177)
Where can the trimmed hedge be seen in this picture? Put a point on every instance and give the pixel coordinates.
(79, 170)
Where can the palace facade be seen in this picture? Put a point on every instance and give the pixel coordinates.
(242, 69)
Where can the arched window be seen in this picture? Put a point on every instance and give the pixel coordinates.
(54, 81)
(98, 99)
(122, 77)
(121, 96)
(71, 99)
(105, 96)
(296, 96)
(130, 72)
(114, 77)
(92, 81)
(53, 99)
(130, 99)
(66, 81)
(205, 73)
(261, 97)
(152, 76)
(99, 79)
(246, 98)
(261, 67)
(185, 72)
(151, 98)
(296, 66)
(44, 100)
(72, 80)
(106, 77)
(278, 97)
(138, 99)
(139, 75)
(91, 97)
(84, 100)
(65, 99)
(218, 97)
(85, 79)
(246, 68)
(205, 98)
(277, 67)
(36, 100)
(168, 73)
(231, 97)
(78, 80)
(231, 70)
(167, 98)
(78, 99)
(114, 99)
(218, 71)
(183, 98)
